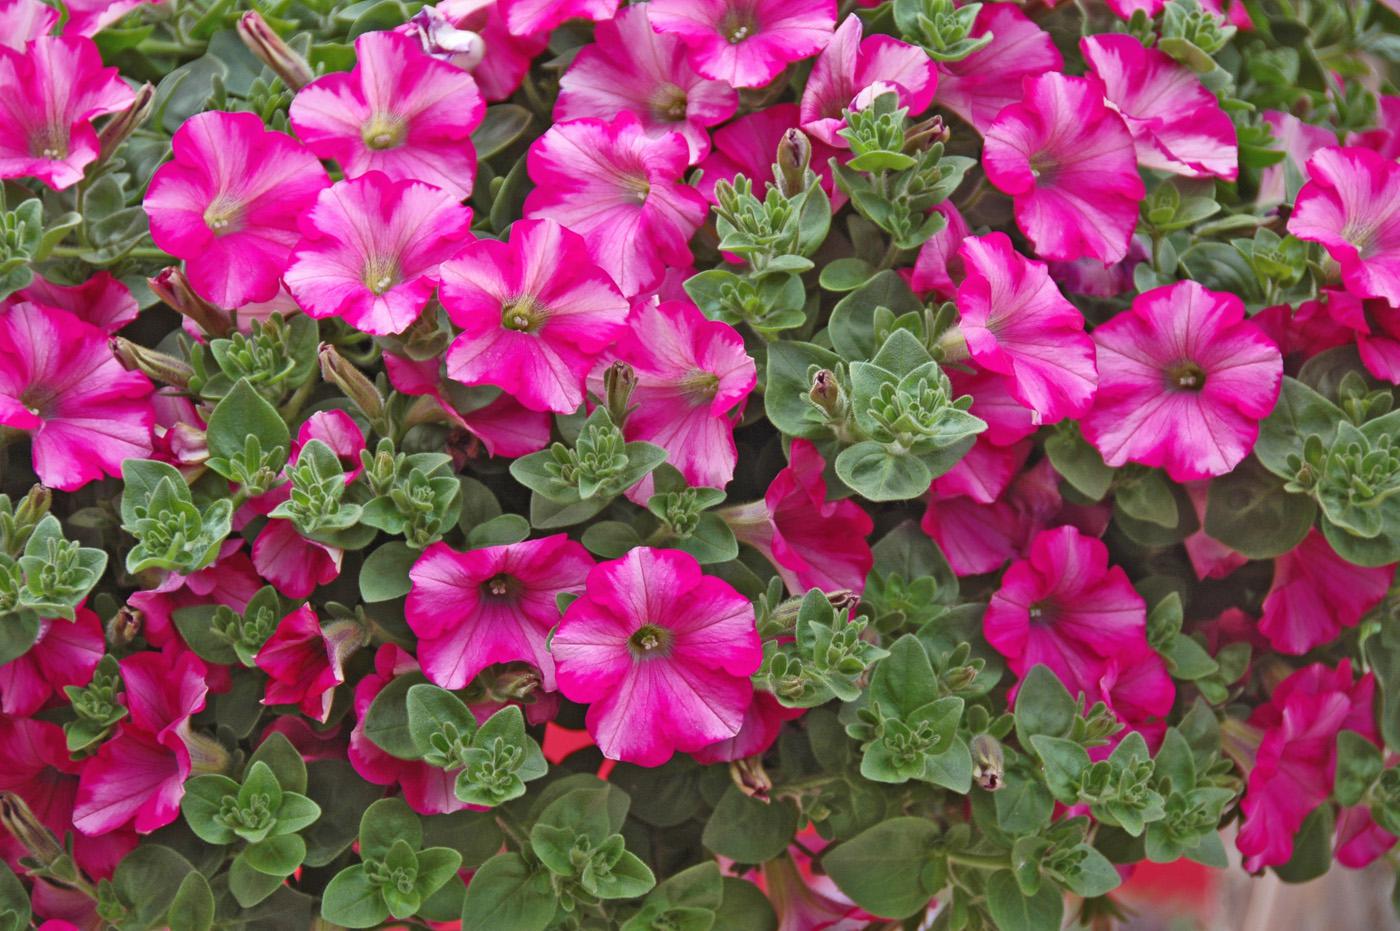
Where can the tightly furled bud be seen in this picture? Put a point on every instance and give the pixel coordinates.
(272, 51)
(751, 778)
(618, 382)
(988, 762)
(826, 394)
(120, 127)
(173, 288)
(351, 381)
(25, 827)
(794, 157)
(154, 365)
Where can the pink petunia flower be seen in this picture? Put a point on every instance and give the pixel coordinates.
(746, 42)
(229, 202)
(428, 790)
(661, 653)
(65, 654)
(101, 300)
(1299, 141)
(1351, 205)
(305, 662)
(371, 251)
(1316, 594)
(938, 267)
(812, 542)
(46, 131)
(1184, 380)
(749, 146)
(1007, 419)
(1177, 125)
(23, 20)
(763, 721)
(631, 68)
(1066, 608)
(1295, 764)
(849, 66)
(1374, 325)
(693, 375)
(1017, 324)
(984, 473)
(528, 17)
(1068, 162)
(500, 67)
(978, 537)
(977, 87)
(231, 581)
(60, 382)
(491, 605)
(294, 564)
(620, 190)
(535, 313)
(399, 111)
(504, 427)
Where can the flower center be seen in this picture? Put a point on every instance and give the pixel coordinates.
(49, 141)
(669, 104)
(1042, 612)
(1186, 376)
(380, 274)
(650, 640)
(738, 24)
(523, 315)
(383, 132)
(223, 215)
(701, 385)
(501, 586)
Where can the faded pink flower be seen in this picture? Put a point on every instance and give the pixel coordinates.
(763, 721)
(1317, 594)
(812, 542)
(1351, 205)
(619, 189)
(1184, 380)
(229, 202)
(746, 43)
(371, 251)
(1177, 125)
(1374, 325)
(849, 66)
(304, 662)
(535, 313)
(661, 653)
(491, 605)
(630, 67)
(46, 130)
(984, 473)
(65, 654)
(1018, 324)
(400, 111)
(1068, 162)
(693, 375)
(231, 581)
(60, 382)
(978, 86)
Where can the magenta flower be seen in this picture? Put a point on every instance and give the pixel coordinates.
(620, 190)
(1317, 594)
(228, 204)
(938, 263)
(1373, 324)
(400, 111)
(661, 653)
(428, 790)
(231, 581)
(978, 537)
(1299, 142)
(1351, 204)
(102, 300)
(978, 86)
(1018, 324)
(1184, 380)
(60, 382)
(65, 654)
(528, 17)
(504, 427)
(848, 66)
(46, 131)
(304, 661)
(749, 147)
(535, 313)
(763, 721)
(631, 68)
(499, 70)
(1068, 162)
(294, 564)
(693, 375)
(746, 43)
(812, 542)
(371, 251)
(1066, 608)
(23, 20)
(1295, 765)
(37, 769)
(491, 605)
(1177, 124)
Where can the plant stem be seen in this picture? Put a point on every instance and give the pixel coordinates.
(981, 861)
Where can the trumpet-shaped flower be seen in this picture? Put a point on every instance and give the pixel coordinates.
(102, 300)
(631, 67)
(1184, 380)
(57, 86)
(746, 42)
(65, 654)
(528, 17)
(1317, 594)
(305, 662)
(620, 190)
(491, 605)
(978, 86)
(749, 146)
(661, 653)
(1351, 205)
(1068, 162)
(229, 202)
(371, 251)
(400, 111)
(1018, 324)
(535, 313)
(60, 382)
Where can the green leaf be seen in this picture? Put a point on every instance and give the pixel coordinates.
(1148, 498)
(284, 760)
(506, 893)
(276, 856)
(473, 834)
(501, 530)
(202, 802)
(744, 908)
(502, 125)
(14, 901)
(1249, 511)
(884, 869)
(904, 680)
(1092, 875)
(1065, 761)
(1312, 848)
(193, 906)
(139, 480)
(845, 274)
(18, 632)
(386, 821)
(148, 879)
(1078, 462)
(789, 378)
(335, 787)
(352, 901)
(1013, 911)
(243, 413)
(1043, 706)
(874, 472)
(436, 865)
(1023, 805)
(386, 722)
(1301, 412)
(747, 830)
(431, 710)
(384, 575)
(1359, 762)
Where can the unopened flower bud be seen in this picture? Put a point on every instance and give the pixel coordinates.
(751, 778)
(154, 365)
(25, 827)
(826, 393)
(272, 51)
(794, 156)
(125, 626)
(618, 382)
(928, 133)
(514, 684)
(843, 599)
(351, 381)
(207, 755)
(33, 506)
(120, 127)
(988, 762)
(173, 287)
